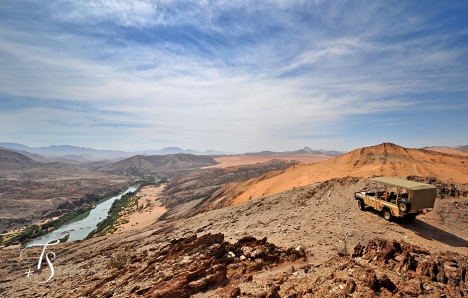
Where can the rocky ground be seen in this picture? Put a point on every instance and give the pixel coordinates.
(310, 241)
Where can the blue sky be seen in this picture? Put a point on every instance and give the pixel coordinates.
(233, 75)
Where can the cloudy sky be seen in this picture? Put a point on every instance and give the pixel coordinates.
(233, 75)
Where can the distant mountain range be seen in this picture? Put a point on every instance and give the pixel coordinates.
(11, 160)
(305, 150)
(457, 150)
(461, 148)
(67, 153)
(79, 155)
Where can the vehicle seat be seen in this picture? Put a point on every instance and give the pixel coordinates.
(391, 197)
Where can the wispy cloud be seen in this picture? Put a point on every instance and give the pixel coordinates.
(230, 75)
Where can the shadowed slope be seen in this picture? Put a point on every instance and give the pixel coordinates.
(11, 160)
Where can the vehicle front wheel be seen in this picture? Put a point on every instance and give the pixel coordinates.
(387, 215)
(361, 205)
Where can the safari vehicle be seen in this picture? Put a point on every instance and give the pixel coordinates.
(397, 197)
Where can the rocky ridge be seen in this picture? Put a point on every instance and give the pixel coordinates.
(386, 159)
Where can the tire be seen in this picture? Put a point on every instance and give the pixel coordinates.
(404, 206)
(361, 205)
(386, 214)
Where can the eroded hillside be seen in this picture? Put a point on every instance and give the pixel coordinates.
(188, 195)
(382, 160)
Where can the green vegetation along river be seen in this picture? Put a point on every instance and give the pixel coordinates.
(87, 222)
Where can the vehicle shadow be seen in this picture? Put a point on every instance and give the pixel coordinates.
(427, 231)
(431, 232)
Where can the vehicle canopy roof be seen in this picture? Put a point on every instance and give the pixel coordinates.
(411, 185)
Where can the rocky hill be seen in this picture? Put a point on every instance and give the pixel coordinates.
(463, 148)
(145, 165)
(11, 160)
(386, 159)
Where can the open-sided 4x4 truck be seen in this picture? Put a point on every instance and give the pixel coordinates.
(397, 197)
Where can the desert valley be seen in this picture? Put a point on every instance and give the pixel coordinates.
(233, 149)
(254, 225)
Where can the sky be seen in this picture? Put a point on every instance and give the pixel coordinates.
(237, 76)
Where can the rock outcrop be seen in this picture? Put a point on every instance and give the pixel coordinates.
(209, 266)
(191, 265)
(398, 269)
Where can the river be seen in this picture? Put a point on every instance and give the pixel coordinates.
(79, 229)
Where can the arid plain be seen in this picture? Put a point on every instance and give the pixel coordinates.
(275, 229)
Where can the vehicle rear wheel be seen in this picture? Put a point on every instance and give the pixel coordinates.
(404, 206)
(361, 205)
(387, 215)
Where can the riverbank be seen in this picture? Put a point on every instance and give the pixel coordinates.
(37, 231)
(145, 210)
